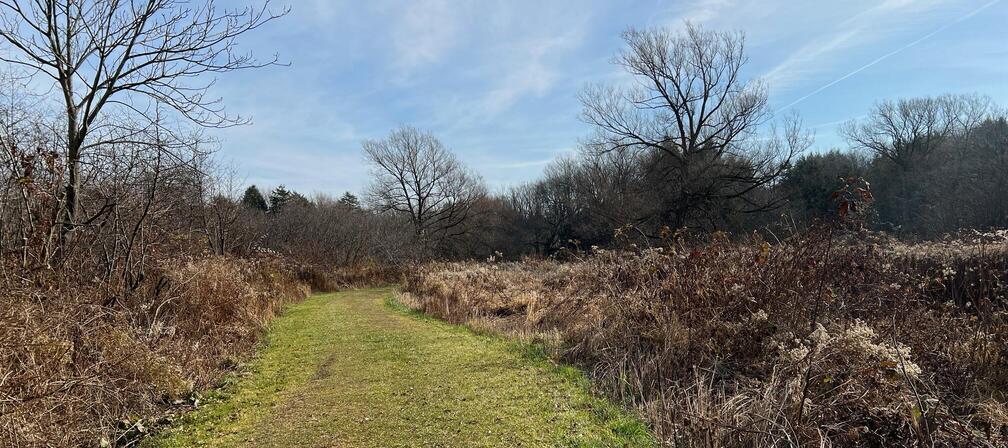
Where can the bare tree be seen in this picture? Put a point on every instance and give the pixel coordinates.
(31, 174)
(913, 140)
(220, 211)
(548, 211)
(909, 129)
(127, 53)
(695, 113)
(416, 175)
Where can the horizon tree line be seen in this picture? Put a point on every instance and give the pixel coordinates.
(692, 145)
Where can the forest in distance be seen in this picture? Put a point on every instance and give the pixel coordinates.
(697, 259)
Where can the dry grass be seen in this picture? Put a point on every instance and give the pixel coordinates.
(80, 368)
(364, 275)
(816, 341)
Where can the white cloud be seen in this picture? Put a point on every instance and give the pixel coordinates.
(424, 32)
(867, 27)
(508, 48)
(528, 70)
(501, 55)
(705, 10)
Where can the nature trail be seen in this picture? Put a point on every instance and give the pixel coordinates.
(353, 369)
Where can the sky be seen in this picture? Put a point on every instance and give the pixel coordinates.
(497, 81)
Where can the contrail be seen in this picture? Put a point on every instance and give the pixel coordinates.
(891, 53)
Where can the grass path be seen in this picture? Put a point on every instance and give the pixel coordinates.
(352, 370)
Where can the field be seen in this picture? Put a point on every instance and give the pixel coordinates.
(503, 224)
(816, 341)
(824, 339)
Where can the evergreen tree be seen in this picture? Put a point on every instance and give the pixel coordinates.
(282, 198)
(349, 200)
(279, 198)
(254, 199)
(298, 200)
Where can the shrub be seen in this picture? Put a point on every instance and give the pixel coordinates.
(817, 340)
(77, 368)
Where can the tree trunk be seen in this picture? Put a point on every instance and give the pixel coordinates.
(72, 204)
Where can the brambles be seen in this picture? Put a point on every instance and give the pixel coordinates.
(712, 340)
(76, 372)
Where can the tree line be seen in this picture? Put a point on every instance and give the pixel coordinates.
(109, 170)
(693, 145)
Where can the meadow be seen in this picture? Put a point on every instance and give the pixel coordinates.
(818, 340)
(688, 250)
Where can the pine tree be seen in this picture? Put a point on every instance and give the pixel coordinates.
(298, 200)
(349, 200)
(254, 199)
(282, 198)
(279, 198)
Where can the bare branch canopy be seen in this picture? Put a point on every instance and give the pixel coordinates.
(125, 53)
(691, 108)
(415, 175)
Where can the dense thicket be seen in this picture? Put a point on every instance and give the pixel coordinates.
(819, 340)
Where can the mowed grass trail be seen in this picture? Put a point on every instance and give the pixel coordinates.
(353, 370)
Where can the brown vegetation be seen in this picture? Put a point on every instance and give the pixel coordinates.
(132, 276)
(76, 371)
(718, 343)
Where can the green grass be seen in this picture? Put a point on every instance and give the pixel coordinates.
(354, 369)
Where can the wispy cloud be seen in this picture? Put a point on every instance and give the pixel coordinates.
(675, 12)
(424, 31)
(889, 54)
(497, 80)
(868, 26)
(704, 10)
(506, 59)
(528, 71)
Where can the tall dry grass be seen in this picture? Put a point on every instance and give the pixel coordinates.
(816, 341)
(362, 275)
(80, 368)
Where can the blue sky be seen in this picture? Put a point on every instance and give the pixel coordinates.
(497, 80)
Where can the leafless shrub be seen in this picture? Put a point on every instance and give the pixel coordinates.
(711, 340)
(74, 367)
